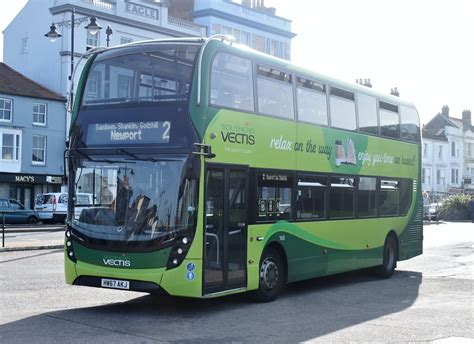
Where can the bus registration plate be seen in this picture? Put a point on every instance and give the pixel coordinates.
(116, 284)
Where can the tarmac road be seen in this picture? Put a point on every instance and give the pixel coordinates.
(429, 298)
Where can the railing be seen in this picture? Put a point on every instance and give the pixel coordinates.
(99, 3)
(255, 14)
(183, 24)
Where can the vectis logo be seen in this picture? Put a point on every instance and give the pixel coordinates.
(238, 134)
(117, 262)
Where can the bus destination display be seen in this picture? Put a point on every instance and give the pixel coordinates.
(128, 133)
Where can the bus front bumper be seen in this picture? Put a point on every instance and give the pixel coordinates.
(132, 285)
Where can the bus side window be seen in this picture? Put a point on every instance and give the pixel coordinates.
(311, 197)
(231, 82)
(311, 101)
(367, 112)
(275, 92)
(366, 197)
(410, 127)
(342, 109)
(389, 120)
(274, 196)
(389, 197)
(341, 197)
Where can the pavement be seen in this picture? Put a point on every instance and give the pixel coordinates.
(31, 237)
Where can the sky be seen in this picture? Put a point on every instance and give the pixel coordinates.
(423, 47)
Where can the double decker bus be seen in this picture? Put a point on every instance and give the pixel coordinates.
(201, 168)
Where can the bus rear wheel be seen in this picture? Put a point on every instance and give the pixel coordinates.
(390, 256)
(271, 276)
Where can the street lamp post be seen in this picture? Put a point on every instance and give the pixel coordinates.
(93, 29)
(108, 32)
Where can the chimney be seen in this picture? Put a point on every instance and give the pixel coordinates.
(394, 92)
(466, 118)
(445, 110)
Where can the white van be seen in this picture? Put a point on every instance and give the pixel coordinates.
(51, 207)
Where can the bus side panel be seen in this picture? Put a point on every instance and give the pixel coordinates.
(182, 281)
(411, 240)
(305, 259)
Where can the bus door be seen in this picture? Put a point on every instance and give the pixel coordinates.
(225, 242)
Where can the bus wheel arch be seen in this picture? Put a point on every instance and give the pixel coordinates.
(281, 251)
(389, 255)
(273, 269)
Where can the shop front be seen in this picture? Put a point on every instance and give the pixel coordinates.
(25, 187)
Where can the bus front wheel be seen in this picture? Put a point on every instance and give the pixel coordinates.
(271, 276)
(390, 256)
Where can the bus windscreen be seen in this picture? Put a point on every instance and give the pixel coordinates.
(161, 75)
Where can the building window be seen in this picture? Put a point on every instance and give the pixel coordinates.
(227, 30)
(10, 144)
(6, 110)
(258, 43)
(39, 114)
(245, 38)
(425, 150)
(92, 40)
(469, 149)
(440, 177)
(426, 177)
(454, 149)
(440, 152)
(125, 40)
(216, 29)
(454, 176)
(24, 45)
(39, 150)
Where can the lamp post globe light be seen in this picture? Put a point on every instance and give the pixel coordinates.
(93, 27)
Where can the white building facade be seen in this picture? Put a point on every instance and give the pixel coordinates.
(448, 156)
(250, 23)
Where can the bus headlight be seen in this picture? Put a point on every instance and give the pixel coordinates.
(180, 248)
(70, 247)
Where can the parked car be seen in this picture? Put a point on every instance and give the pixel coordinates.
(52, 207)
(15, 212)
(432, 212)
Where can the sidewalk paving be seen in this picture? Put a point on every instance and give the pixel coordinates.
(21, 238)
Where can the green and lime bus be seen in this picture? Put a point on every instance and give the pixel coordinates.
(201, 168)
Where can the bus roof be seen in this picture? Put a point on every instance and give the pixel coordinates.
(228, 43)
